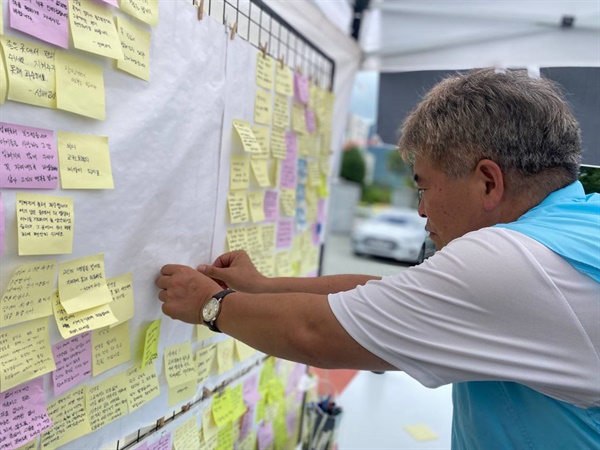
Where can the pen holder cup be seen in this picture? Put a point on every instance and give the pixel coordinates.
(322, 428)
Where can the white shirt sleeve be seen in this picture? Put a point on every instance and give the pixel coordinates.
(492, 305)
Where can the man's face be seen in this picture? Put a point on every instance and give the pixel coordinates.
(452, 207)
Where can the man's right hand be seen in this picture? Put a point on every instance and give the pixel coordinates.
(235, 270)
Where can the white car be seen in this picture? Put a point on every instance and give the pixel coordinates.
(397, 233)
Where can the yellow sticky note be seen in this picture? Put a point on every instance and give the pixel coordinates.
(33, 445)
(73, 324)
(151, 343)
(260, 409)
(325, 143)
(287, 201)
(283, 262)
(314, 175)
(25, 353)
(144, 10)
(262, 137)
(262, 107)
(135, 44)
(84, 161)
(81, 283)
(324, 165)
(323, 189)
(239, 174)
(45, 224)
(79, 86)
(281, 112)
(142, 386)
(205, 358)
(3, 76)
(256, 202)
(244, 131)
(243, 351)
(209, 427)
(260, 168)
(421, 432)
(31, 78)
(222, 409)
(238, 207)
(268, 238)
(70, 419)
(121, 291)
(237, 401)
(186, 435)
(236, 240)
(179, 364)
(225, 439)
(1, 19)
(298, 118)
(254, 242)
(203, 332)
(107, 400)
(93, 29)
(28, 295)
(225, 356)
(110, 347)
(264, 71)
(284, 80)
(278, 145)
(182, 392)
(275, 391)
(248, 443)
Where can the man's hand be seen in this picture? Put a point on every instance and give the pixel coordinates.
(184, 292)
(235, 270)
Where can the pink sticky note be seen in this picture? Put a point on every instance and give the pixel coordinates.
(250, 390)
(73, 359)
(271, 206)
(114, 3)
(290, 421)
(291, 145)
(321, 210)
(285, 233)
(23, 414)
(287, 173)
(309, 116)
(2, 226)
(27, 157)
(247, 421)
(142, 446)
(44, 19)
(163, 443)
(301, 89)
(264, 435)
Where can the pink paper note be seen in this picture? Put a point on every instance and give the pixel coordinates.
(73, 359)
(271, 206)
(321, 210)
(285, 232)
(264, 435)
(114, 3)
(309, 116)
(44, 19)
(2, 226)
(247, 421)
(290, 421)
(163, 443)
(291, 145)
(23, 414)
(250, 390)
(287, 173)
(301, 88)
(27, 157)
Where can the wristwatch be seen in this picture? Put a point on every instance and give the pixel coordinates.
(212, 308)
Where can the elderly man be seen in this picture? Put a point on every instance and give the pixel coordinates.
(508, 310)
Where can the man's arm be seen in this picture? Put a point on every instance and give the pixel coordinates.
(296, 326)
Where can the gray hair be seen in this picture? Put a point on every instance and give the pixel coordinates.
(523, 124)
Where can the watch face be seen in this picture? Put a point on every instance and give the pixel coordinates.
(210, 310)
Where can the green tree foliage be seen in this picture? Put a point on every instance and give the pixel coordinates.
(590, 178)
(353, 166)
(396, 164)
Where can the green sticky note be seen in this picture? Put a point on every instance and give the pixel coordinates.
(151, 343)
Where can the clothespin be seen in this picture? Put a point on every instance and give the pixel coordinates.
(160, 422)
(282, 60)
(263, 49)
(201, 10)
(299, 70)
(233, 31)
(186, 407)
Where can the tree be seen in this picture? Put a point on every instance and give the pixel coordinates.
(353, 166)
(590, 178)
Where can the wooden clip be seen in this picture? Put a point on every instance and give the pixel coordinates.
(233, 29)
(263, 49)
(186, 407)
(201, 10)
(298, 70)
(160, 422)
(282, 60)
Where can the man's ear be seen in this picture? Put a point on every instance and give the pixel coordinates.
(490, 174)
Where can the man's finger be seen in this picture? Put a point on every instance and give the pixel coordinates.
(163, 295)
(162, 282)
(169, 269)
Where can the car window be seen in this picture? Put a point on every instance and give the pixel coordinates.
(393, 220)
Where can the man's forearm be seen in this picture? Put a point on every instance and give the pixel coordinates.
(316, 285)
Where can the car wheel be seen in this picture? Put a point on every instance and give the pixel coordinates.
(421, 257)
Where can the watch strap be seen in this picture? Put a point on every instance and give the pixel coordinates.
(218, 296)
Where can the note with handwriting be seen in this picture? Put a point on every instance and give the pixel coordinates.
(260, 169)
(261, 134)
(151, 343)
(179, 364)
(265, 435)
(237, 400)
(283, 263)
(25, 353)
(301, 88)
(271, 203)
(79, 86)
(81, 283)
(33, 445)
(93, 29)
(264, 70)
(287, 173)
(239, 174)
(182, 392)
(285, 232)
(225, 356)
(268, 238)
(298, 118)
(44, 224)
(44, 19)
(247, 423)
(142, 385)
(284, 80)
(28, 157)
(287, 200)
(31, 72)
(310, 120)
(144, 10)
(110, 347)
(107, 400)
(248, 442)
(121, 291)
(185, 436)
(291, 145)
(23, 414)
(254, 242)
(281, 112)
(278, 144)
(2, 224)
(70, 419)
(135, 43)
(84, 161)
(250, 390)
(237, 202)
(262, 107)
(87, 320)
(246, 135)
(256, 202)
(225, 438)
(3, 74)
(73, 359)
(205, 359)
(222, 409)
(210, 429)
(28, 295)
(236, 239)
